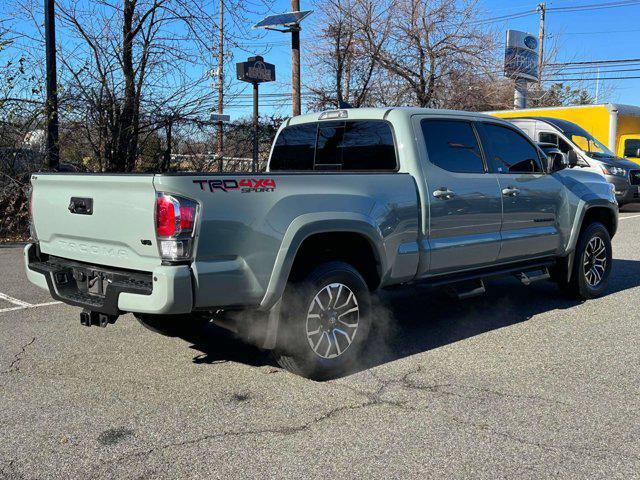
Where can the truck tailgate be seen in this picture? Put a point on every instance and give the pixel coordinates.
(118, 230)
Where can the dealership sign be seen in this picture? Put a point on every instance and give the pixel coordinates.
(256, 70)
(521, 56)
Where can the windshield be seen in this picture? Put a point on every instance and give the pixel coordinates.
(590, 145)
(581, 138)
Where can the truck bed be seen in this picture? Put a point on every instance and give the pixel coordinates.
(247, 223)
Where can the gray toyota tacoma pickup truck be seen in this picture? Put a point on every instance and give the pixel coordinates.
(352, 201)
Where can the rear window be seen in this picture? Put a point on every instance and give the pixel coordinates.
(348, 146)
(294, 148)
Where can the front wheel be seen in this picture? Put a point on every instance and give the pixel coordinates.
(592, 264)
(325, 322)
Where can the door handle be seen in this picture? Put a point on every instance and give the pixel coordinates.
(443, 193)
(510, 192)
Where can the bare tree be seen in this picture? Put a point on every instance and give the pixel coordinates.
(344, 69)
(428, 41)
(402, 52)
(126, 66)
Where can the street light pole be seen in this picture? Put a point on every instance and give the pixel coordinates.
(51, 105)
(295, 62)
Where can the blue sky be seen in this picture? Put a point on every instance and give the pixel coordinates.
(585, 35)
(609, 33)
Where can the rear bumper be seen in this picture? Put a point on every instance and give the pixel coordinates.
(166, 290)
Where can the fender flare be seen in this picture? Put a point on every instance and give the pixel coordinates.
(581, 212)
(303, 227)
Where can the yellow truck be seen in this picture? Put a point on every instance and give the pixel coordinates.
(616, 126)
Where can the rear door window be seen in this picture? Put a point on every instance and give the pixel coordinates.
(453, 145)
(508, 151)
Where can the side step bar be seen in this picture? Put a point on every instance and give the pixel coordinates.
(530, 276)
(468, 289)
(472, 285)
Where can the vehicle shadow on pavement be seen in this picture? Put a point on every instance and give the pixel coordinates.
(217, 345)
(416, 319)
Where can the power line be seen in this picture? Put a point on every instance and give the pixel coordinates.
(595, 6)
(589, 79)
(604, 68)
(609, 32)
(591, 72)
(574, 8)
(596, 62)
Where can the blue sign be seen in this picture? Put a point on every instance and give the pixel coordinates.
(521, 56)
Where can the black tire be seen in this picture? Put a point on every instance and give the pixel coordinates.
(343, 343)
(583, 285)
(172, 325)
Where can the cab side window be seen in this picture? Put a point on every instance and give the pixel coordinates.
(631, 148)
(548, 137)
(509, 151)
(452, 145)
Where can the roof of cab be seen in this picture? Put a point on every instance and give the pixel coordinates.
(382, 113)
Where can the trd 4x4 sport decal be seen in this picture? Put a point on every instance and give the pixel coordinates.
(244, 185)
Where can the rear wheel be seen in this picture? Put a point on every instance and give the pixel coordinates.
(591, 264)
(172, 325)
(325, 322)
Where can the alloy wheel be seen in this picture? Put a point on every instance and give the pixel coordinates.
(595, 261)
(332, 320)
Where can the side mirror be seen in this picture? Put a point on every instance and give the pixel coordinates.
(557, 160)
(572, 158)
(637, 155)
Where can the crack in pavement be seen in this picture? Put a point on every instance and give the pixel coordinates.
(591, 452)
(373, 399)
(405, 383)
(14, 366)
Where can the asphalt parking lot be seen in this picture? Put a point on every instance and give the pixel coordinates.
(519, 383)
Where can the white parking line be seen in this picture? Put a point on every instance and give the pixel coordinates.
(630, 216)
(15, 301)
(20, 305)
(12, 309)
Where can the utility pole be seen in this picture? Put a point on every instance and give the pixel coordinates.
(256, 128)
(51, 105)
(295, 62)
(221, 85)
(542, 9)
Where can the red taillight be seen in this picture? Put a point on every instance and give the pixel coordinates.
(165, 216)
(187, 216)
(175, 226)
